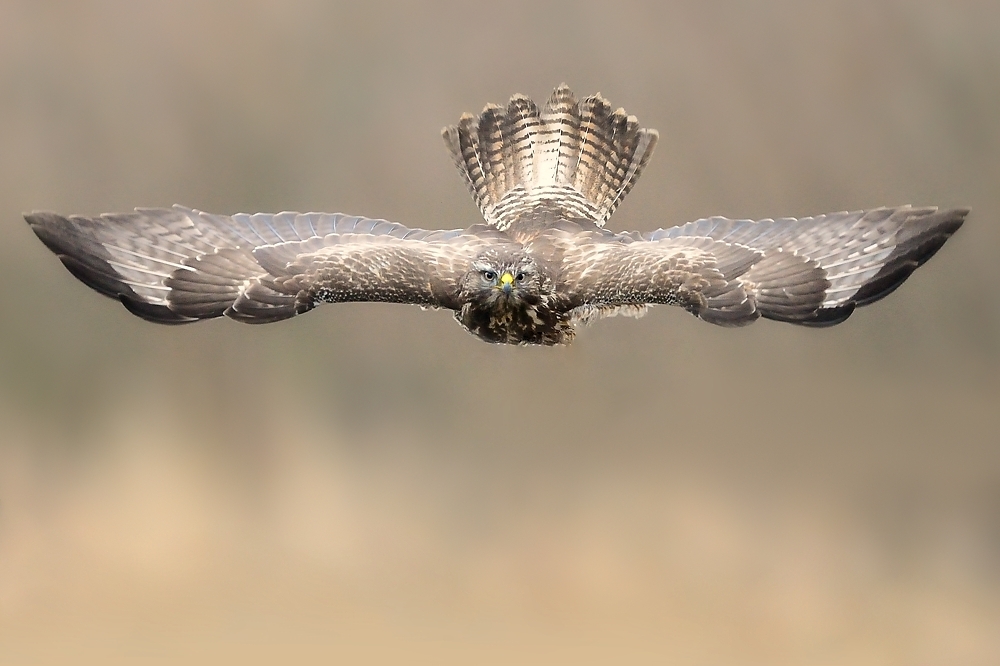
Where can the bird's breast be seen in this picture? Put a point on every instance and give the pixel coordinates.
(520, 324)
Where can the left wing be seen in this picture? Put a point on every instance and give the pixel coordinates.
(811, 271)
(178, 265)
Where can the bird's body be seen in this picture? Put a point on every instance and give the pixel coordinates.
(545, 181)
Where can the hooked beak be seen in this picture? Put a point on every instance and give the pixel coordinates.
(506, 282)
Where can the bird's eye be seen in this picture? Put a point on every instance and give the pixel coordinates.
(489, 275)
(520, 277)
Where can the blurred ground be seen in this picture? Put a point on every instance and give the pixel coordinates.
(369, 484)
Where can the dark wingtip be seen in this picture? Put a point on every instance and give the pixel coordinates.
(158, 314)
(82, 256)
(50, 229)
(95, 275)
(918, 242)
(37, 217)
(828, 316)
(87, 260)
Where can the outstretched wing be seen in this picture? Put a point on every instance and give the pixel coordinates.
(812, 271)
(179, 265)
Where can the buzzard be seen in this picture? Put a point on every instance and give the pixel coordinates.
(546, 182)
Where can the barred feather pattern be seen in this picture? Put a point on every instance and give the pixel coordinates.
(581, 156)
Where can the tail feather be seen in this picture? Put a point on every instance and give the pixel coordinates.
(559, 139)
(580, 156)
(519, 125)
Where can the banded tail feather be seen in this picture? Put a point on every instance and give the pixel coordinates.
(581, 157)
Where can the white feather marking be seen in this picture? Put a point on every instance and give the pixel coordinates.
(145, 285)
(138, 269)
(160, 248)
(878, 258)
(146, 257)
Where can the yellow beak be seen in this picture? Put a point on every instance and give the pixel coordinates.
(506, 282)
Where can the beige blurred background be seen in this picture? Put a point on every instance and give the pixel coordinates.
(370, 484)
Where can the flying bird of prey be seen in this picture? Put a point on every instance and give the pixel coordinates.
(546, 182)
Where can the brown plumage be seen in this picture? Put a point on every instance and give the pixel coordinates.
(546, 181)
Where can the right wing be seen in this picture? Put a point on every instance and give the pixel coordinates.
(177, 265)
(812, 271)
(815, 271)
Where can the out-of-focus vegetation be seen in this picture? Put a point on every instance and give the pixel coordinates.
(368, 482)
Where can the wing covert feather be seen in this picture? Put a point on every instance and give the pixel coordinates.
(699, 274)
(342, 268)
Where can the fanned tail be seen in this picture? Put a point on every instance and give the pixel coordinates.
(581, 157)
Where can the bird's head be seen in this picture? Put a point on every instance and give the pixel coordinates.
(500, 279)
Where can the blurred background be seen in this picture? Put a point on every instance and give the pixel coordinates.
(369, 483)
